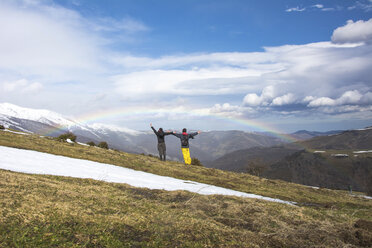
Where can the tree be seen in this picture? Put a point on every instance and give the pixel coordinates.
(2, 127)
(255, 167)
(91, 143)
(195, 161)
(103, 145)
(369, 186)
(66, 136)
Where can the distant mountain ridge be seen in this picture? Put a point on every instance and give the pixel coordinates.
(311, 162)
(304, 134)
(350, 139)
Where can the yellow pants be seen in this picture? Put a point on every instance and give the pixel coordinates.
(186, 155)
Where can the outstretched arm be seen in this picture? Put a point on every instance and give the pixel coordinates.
(178, 135)
(194, 134)
(168, 132)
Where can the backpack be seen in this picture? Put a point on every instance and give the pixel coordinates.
(184, 140)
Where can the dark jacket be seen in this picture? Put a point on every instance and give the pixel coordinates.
(184, 137)
(160, 135)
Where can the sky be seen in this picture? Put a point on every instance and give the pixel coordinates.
(254, 65)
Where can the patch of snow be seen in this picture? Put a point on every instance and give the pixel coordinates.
(69, 141)
(319, 151)
(363, 196)
(83, 144)
(6, 130)
(313, 187)
(340, 155)
(20, 160)
(363, 151)
(363, 129)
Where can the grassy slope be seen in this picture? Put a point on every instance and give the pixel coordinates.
(49, 211)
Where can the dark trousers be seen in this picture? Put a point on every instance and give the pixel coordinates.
(162, 151)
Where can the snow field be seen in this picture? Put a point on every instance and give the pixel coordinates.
(33, 162)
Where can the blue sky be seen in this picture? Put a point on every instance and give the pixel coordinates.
(202, 64)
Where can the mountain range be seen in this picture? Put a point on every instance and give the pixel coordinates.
(207, 146)
(338, 161)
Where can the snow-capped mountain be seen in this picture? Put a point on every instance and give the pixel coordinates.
(17, 117)
(39, 115)
(103, 128)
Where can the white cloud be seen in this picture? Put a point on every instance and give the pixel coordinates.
(322, 101)
(126, 25)
(268, 98)
(56, 44)
(256, 62)
(347, 98)
(363, 5)
(308, 99)
(226, 107)
(209, 81)
(367, 98)
(313, 75)
(229, 110)
(252, 99)
(45, 41)
(353, 32)
(295, 9)
(284, 100)
(311, 8)
(21, 86)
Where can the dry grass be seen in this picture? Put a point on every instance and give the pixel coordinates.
(49, 211)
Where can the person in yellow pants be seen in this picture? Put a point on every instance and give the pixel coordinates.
(184, 137)
(186, 155)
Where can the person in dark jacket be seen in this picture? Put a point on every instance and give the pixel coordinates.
(160, 134)
(184, 137)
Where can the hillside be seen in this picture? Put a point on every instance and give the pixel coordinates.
(52, 211)
(352, 139)
(324, 170)
(298, 163)
(252, 160)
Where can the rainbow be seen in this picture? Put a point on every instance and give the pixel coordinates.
(138, 111)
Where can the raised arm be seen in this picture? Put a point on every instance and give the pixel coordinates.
(153, 129)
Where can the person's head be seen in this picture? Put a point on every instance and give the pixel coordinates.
(184, 130)
(160, 130)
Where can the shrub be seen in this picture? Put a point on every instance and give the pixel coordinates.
(255, 167)
(66, 136)
(103, 145)
(195, 161)
(91, 143)
(2, 127)
(369, 186)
